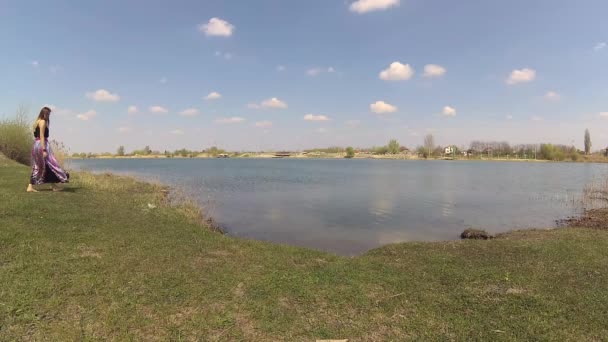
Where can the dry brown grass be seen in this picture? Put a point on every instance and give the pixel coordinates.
(16, 137)
(62, 154)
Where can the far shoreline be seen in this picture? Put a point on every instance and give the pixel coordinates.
(338, 157)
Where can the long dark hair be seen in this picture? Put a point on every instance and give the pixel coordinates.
(45, 114)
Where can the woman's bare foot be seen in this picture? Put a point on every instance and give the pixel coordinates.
(30, 188)
(57, 188)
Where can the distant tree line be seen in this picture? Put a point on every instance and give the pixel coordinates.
(333, 149)
(147, 151)
(392, 147)
(429, 149)
(494, 149)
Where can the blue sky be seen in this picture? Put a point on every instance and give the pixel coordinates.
(300, 74)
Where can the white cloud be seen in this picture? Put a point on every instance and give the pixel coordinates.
(189, 112)
(274, 103)
(434, 70)
(217, 27)
(35, 64)
(281, 68)
(163, 80)
(263, 124)
(132, 110)
(54, 69)
(102, 95)
(552, 96)
(509, 117)
(232, 120)
(317, 71)
(177, 132)
(364, 6)
(381, 107)
(158, 110)
(600, 46)
(124, 129)
(321, 130)
(604, 115)
(449, 111)
(536, 118)
(213, 96)
(521, 76)
(397, 72)
(228, 56)
(86, 116)
(313, 117)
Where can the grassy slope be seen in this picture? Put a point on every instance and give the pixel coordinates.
(93, 263)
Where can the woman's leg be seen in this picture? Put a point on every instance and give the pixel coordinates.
(37, 166)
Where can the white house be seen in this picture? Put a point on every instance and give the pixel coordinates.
(449, 150)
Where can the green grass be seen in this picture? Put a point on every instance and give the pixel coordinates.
(96, 263)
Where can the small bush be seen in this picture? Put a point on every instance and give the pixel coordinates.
(16, 137)
(475, 234)
(382, 150)
(574, 156)
(350, 152)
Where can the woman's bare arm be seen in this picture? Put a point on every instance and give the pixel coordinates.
(42, 126)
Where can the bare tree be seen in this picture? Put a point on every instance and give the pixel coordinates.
(429, 144)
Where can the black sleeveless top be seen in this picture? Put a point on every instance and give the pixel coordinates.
(37, 132)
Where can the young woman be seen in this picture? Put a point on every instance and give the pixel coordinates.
(45, 168)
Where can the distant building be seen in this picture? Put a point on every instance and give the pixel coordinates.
(450, 150)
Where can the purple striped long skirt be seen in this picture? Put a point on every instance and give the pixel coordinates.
(46, 170)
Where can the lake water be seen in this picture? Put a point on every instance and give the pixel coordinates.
(350, 206)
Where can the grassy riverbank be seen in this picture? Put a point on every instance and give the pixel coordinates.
(97, 262)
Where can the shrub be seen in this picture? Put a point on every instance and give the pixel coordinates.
(574, 156)
(557, 152)
(393, 147)
(16, 137)
(350, 152)
(381, 150)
